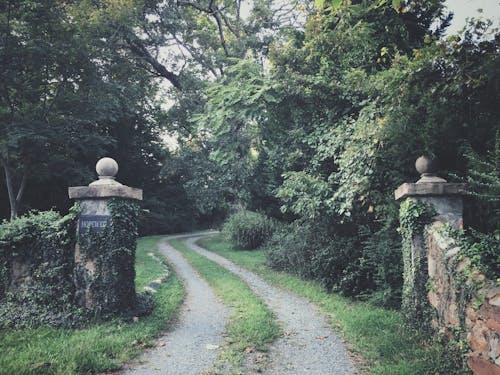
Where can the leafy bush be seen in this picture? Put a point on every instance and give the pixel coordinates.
(291, 249)
(248, 230)
(313, 252)
(367, 265)
(44, 294)
(382, 262)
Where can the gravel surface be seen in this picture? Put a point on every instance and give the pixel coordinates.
(192, 344)
(309, 346)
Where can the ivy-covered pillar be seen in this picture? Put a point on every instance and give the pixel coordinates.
(427, 205)
(106, 240)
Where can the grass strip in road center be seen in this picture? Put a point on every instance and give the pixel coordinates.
(252, 325)
(378, 334)
(100, 346)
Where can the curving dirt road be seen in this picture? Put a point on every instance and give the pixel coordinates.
(191, 346)
(308, 347)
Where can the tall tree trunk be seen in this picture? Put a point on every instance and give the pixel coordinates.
(20, 191)
(14, 199)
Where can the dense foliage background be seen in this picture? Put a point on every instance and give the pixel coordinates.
(310, 113)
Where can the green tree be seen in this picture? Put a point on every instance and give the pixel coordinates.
(359, 94)
(67, 98)
(48, 92)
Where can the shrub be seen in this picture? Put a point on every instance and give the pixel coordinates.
(40, 241)
(366, 265)
(382, 261)
(291, 250)
(312, 252)
(248, 230)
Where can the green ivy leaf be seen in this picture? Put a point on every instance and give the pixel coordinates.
(396, 4)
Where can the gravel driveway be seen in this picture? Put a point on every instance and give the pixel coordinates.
(309, 346)
(191, 346)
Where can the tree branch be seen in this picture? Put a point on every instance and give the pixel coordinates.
(215, 14)
(195, 6)
(228, 24)
(140, 50)
(221, 33)
(195, 55)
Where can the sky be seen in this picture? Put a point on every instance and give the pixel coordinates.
(463, 9)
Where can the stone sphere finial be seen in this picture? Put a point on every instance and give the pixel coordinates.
(427, 168)
(106, 169)
(425, 165)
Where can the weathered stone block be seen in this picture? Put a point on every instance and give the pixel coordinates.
(477, 338)
(495, 301)
(471, 313)
(493, 325)
(481, 366)
(104, 191)
(427, 189)
(494, 344)
(20, 273)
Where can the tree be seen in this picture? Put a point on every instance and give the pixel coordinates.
(64, 95)
(44, 73)
(348, 105)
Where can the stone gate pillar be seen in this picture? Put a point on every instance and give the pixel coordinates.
(442, 202)
(445, 197)
(440, 281)
(106, 239)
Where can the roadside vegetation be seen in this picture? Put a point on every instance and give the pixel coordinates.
(98, 347)
(303, 115)
(252, 326)
(378, 335)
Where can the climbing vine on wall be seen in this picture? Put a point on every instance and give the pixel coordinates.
(40, 282)
(414, 216)
(112, 253)
(36, 266)
(481, 249)
(475, 266)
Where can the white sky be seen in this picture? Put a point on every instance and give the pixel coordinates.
(463, 9)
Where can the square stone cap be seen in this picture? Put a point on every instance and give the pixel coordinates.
(104, 191)
(430, 189)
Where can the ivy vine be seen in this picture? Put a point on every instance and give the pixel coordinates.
(112, 253)
(471, 270)
(414, 217)
(36, 266)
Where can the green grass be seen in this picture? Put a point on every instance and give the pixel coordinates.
(251, 325)
(148, 268)
(100, 347)
(377, 334)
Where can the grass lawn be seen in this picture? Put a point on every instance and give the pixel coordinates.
(377, 334)
(99, 347)
(251, 324)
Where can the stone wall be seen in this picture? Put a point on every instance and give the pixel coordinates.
(20, 273)
(467, 305)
